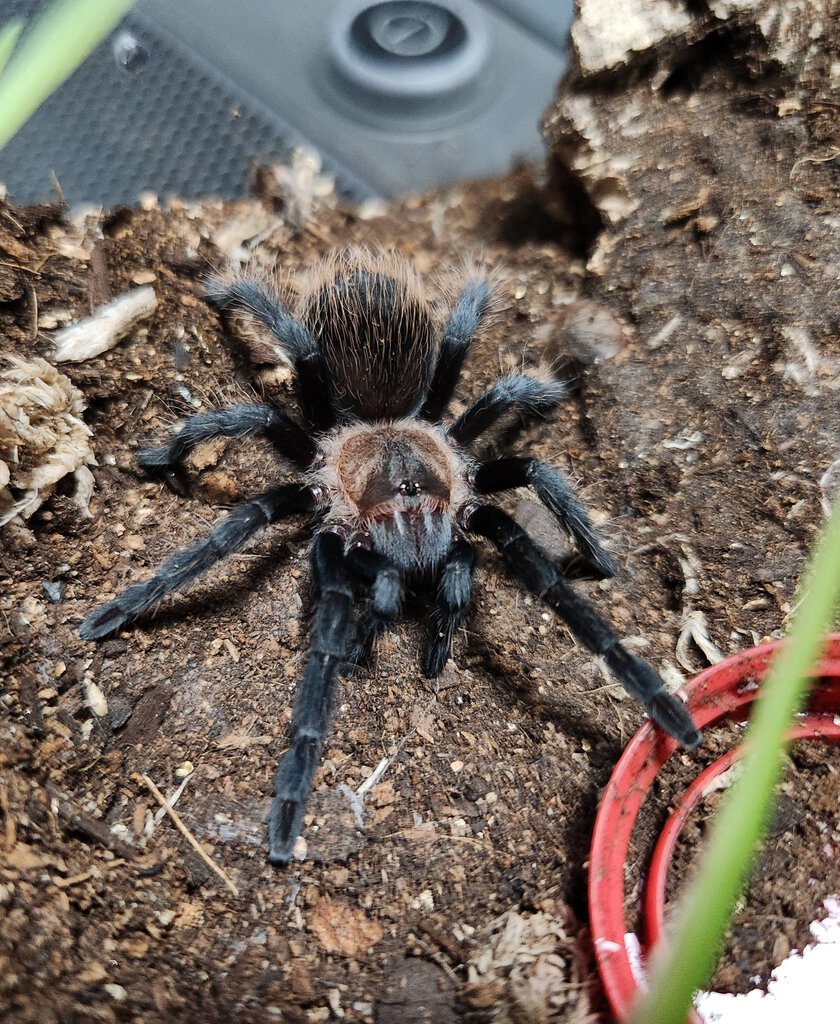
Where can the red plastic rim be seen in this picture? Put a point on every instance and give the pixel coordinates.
(725, 690)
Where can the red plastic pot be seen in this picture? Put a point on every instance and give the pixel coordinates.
(724, 691)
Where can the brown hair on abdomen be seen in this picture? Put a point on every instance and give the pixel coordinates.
(376, 329)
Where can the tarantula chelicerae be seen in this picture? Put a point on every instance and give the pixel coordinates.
(394, 492)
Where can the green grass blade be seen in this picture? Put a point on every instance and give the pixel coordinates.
(56, 44)
(9, 35)
(687, 960)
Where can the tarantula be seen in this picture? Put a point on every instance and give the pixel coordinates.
(394, 491)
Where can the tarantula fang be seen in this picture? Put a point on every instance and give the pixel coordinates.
(394, 491)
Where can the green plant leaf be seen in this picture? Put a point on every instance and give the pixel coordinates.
(9, 35)
(685, 961)
(64, 35)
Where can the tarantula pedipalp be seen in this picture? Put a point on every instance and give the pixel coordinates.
(393, 491)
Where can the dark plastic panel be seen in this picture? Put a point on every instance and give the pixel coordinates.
(396, 96)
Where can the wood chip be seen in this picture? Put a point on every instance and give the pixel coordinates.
(236, 741)
(108, 325)
(94, 697)
(341, 928)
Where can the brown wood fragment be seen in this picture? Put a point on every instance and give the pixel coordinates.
(90, 828)
(449, 946)
(12, 247)
(29, 686)
(99, 282)
(343, 929)
(9, 825)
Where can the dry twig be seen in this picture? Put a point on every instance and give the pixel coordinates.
(185, 832)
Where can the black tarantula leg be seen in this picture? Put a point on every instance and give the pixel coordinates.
(332, 629)
(457, 335)
(228, 536)
(555, 493)
(519, 391)
(453, 597)
(386, 594)
(311, 379)
(527, 563)
(290, 440)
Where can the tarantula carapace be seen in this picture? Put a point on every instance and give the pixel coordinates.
(393, 491)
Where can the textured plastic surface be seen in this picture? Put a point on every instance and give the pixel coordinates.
(396, 96)
(725, 690)
(550, 20)
(139, 115)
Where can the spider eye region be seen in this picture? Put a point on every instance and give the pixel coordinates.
(394, 468)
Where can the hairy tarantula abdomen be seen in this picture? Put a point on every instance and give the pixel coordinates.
(378, 332)
(391, 485)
